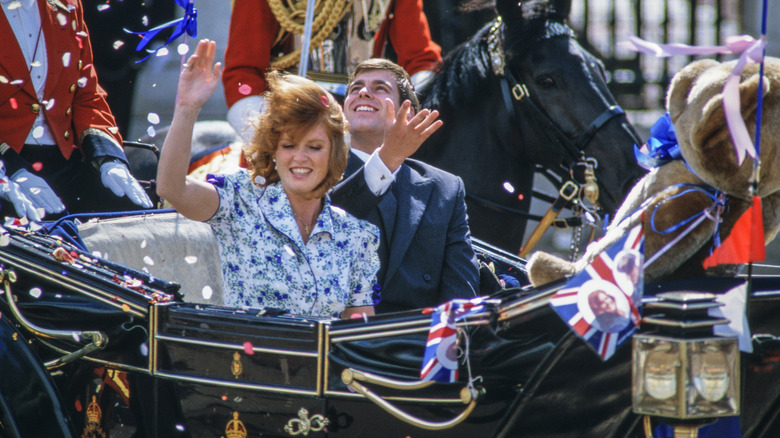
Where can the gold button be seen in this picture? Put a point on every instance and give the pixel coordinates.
(66, 135)
(35, 108)
(72, 88)
(80, 64)
(68, 112)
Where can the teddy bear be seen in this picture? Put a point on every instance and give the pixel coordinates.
(670, 200)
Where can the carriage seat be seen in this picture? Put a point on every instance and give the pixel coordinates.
(167, 245)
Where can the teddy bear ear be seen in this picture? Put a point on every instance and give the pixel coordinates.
(748, 101)
(682, 82)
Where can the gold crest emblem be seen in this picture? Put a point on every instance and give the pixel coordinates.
(235, 367)
(235, 428)
(94, 416)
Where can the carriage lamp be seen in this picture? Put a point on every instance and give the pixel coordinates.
(681, 371)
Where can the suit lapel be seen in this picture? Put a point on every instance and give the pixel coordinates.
(412, 194)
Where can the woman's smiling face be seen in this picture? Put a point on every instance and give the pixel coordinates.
(303, 165)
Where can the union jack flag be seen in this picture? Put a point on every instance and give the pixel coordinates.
(440, 360)
(600, 303)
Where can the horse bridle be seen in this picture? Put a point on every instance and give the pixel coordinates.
(515, 93)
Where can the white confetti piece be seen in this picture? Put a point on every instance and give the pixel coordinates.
(103, 7)
(144, 349)
(113, 129)
(82, 34)
(3, 79)
(191, 259)
(162, 52)
(180, 427)
(143, 243)
(150, 131)
(76, 336)
(145, 20)
(207, 292)
(153, 118)
(148, 260)
(62, 19)
(509, 187)
(14, 5)
(289, 250)
(66, 59)
(49, 104)
(118, 44)
(97, 254)
(35, 64)
(36, 292)
(5, 239)
(37, 132)
(82, 82)
(17, 82)
(35, 190)
(183, 49)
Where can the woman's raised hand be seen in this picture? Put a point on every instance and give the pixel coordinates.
(199, 77)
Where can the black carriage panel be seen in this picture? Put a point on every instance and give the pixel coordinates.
(239, 348)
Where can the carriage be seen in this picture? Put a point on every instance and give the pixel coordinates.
(93, 347)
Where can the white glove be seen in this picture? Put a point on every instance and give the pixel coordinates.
(243, 114)
(38, 191)
(116, 177)
(11, 192)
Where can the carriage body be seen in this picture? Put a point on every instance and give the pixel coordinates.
(171, 368)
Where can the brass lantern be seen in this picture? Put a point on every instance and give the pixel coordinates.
(681, 371)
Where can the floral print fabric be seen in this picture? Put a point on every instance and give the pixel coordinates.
(266, 264)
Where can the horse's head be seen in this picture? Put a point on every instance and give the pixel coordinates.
(523, 93)
(558, 93)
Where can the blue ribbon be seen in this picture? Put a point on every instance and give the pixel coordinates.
(662, 145)
(188, 23)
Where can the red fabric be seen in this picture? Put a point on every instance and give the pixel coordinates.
(745, 243)
(253, 28)
(87, 104)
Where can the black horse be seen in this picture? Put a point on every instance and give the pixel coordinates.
(523, 94)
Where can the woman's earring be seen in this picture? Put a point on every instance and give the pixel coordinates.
(274, 160)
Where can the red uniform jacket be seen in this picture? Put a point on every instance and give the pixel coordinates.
(75, 100)
(253, 28)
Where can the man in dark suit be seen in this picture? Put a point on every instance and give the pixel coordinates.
(425, 247)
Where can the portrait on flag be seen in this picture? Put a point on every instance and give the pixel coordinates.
(601, 302)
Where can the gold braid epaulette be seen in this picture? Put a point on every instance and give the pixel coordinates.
(326, 14)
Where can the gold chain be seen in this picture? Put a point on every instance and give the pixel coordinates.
(326, 14)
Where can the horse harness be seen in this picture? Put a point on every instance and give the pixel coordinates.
(517, 98)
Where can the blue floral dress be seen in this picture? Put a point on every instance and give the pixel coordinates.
(266, 264)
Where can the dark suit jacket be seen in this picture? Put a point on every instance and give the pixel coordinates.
(425, 248)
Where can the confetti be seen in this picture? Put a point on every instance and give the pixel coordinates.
(66, 59)
(3, 79)
(5, 239)
(245, 89)
(14, 5)
(78, 406)
(82, 82)
(145, 20)
(148, 260)
(153, 118)
(113, 129)
(37, 166)
(125, 307)
(36, 292)
(49, 104)
(520, 196)
(75, 336)
(224, 398)
(150, 131)
(17, 82)
(143, 243)
(248, 348)
(180, 427)
(207, 292)
(191, 259)
(162, 52)
(289, 250)
(14, 105)
(35, 64)
(182, 49)
(103, 7)
(35, 190)
(62, 19)
(144, 349)
(118, 44)
(509, 187)
(37, 132)
(97, 254)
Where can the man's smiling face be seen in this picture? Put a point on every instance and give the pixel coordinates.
(365, 106)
